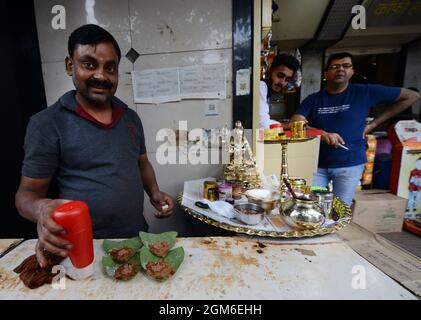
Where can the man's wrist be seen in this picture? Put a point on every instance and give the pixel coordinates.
(372, 124)
(154, 190)
(39, 205)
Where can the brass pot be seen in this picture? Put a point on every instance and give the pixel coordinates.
(303, 213)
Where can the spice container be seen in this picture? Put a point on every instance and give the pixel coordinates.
(237, 189)
(277, 129)
(210, 190)
(225, 191)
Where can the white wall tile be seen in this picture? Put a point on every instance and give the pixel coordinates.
(155, 117)
(169, 60)
(56, 81)
(110, 14)
(168, 115)
(180, 25)
(125, 91)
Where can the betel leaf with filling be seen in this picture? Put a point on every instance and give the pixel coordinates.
(161, 268)
(133, 243)
(159, 244)
(121, 271)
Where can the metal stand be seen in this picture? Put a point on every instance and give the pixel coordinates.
(284, 164)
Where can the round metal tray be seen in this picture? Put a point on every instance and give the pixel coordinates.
(289, 140)
(340, 207)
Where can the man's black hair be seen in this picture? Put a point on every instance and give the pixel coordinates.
(91, 34)
(337, 56)
(286, 60)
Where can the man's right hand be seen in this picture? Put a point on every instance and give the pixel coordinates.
(332, 138)
(49, 232)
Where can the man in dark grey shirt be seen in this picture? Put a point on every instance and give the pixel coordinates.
(93, 145)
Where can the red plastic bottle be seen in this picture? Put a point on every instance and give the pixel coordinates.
(74, 217)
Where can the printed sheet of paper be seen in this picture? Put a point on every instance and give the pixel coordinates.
(173, 84)
(156, 85)
(243, 82)
(203, 81)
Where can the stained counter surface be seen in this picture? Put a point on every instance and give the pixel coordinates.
(228, 268)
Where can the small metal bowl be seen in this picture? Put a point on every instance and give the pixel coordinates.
(267, 203)
(249, 213)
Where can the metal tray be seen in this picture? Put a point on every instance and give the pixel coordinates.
(339, 206)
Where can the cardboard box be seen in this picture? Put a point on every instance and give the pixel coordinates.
(379, 211)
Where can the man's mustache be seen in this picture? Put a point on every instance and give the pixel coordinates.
(99, 84)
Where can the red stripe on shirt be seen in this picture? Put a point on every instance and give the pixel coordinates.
(117, 112)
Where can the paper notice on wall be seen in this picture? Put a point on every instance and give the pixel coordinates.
(156, 85)
(173, 84)
(203, 82)
(242, 82)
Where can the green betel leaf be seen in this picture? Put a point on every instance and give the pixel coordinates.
(109, 266)
(133, 243)
(151, 238)
(135, 258)
(146, 256)
(175, 257)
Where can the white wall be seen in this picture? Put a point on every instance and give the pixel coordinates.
(312, 64)
(166, 34)
(412, 76)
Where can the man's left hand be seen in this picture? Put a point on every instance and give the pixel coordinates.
(368, 129)
(163, 203)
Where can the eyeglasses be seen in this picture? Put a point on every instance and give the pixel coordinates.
(337, 66)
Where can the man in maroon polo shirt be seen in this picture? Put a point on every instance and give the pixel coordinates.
(93, 145)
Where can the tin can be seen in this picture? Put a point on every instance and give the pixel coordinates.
(213, 194)
(210, 190)
(298, 129)
(237, 189)
(298, 184)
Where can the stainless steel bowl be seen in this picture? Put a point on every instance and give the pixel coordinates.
(268, 204)
(249, 213)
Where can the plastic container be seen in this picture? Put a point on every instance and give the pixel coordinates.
(225, 191)
(75, 219)
(277, 128)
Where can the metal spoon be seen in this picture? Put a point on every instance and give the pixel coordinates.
(290, 188)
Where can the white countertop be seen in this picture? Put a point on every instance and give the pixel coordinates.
(228, 268)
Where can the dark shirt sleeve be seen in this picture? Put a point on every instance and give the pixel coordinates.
(142, 149)
(305, 107)
(382, 94)
(41, 153)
